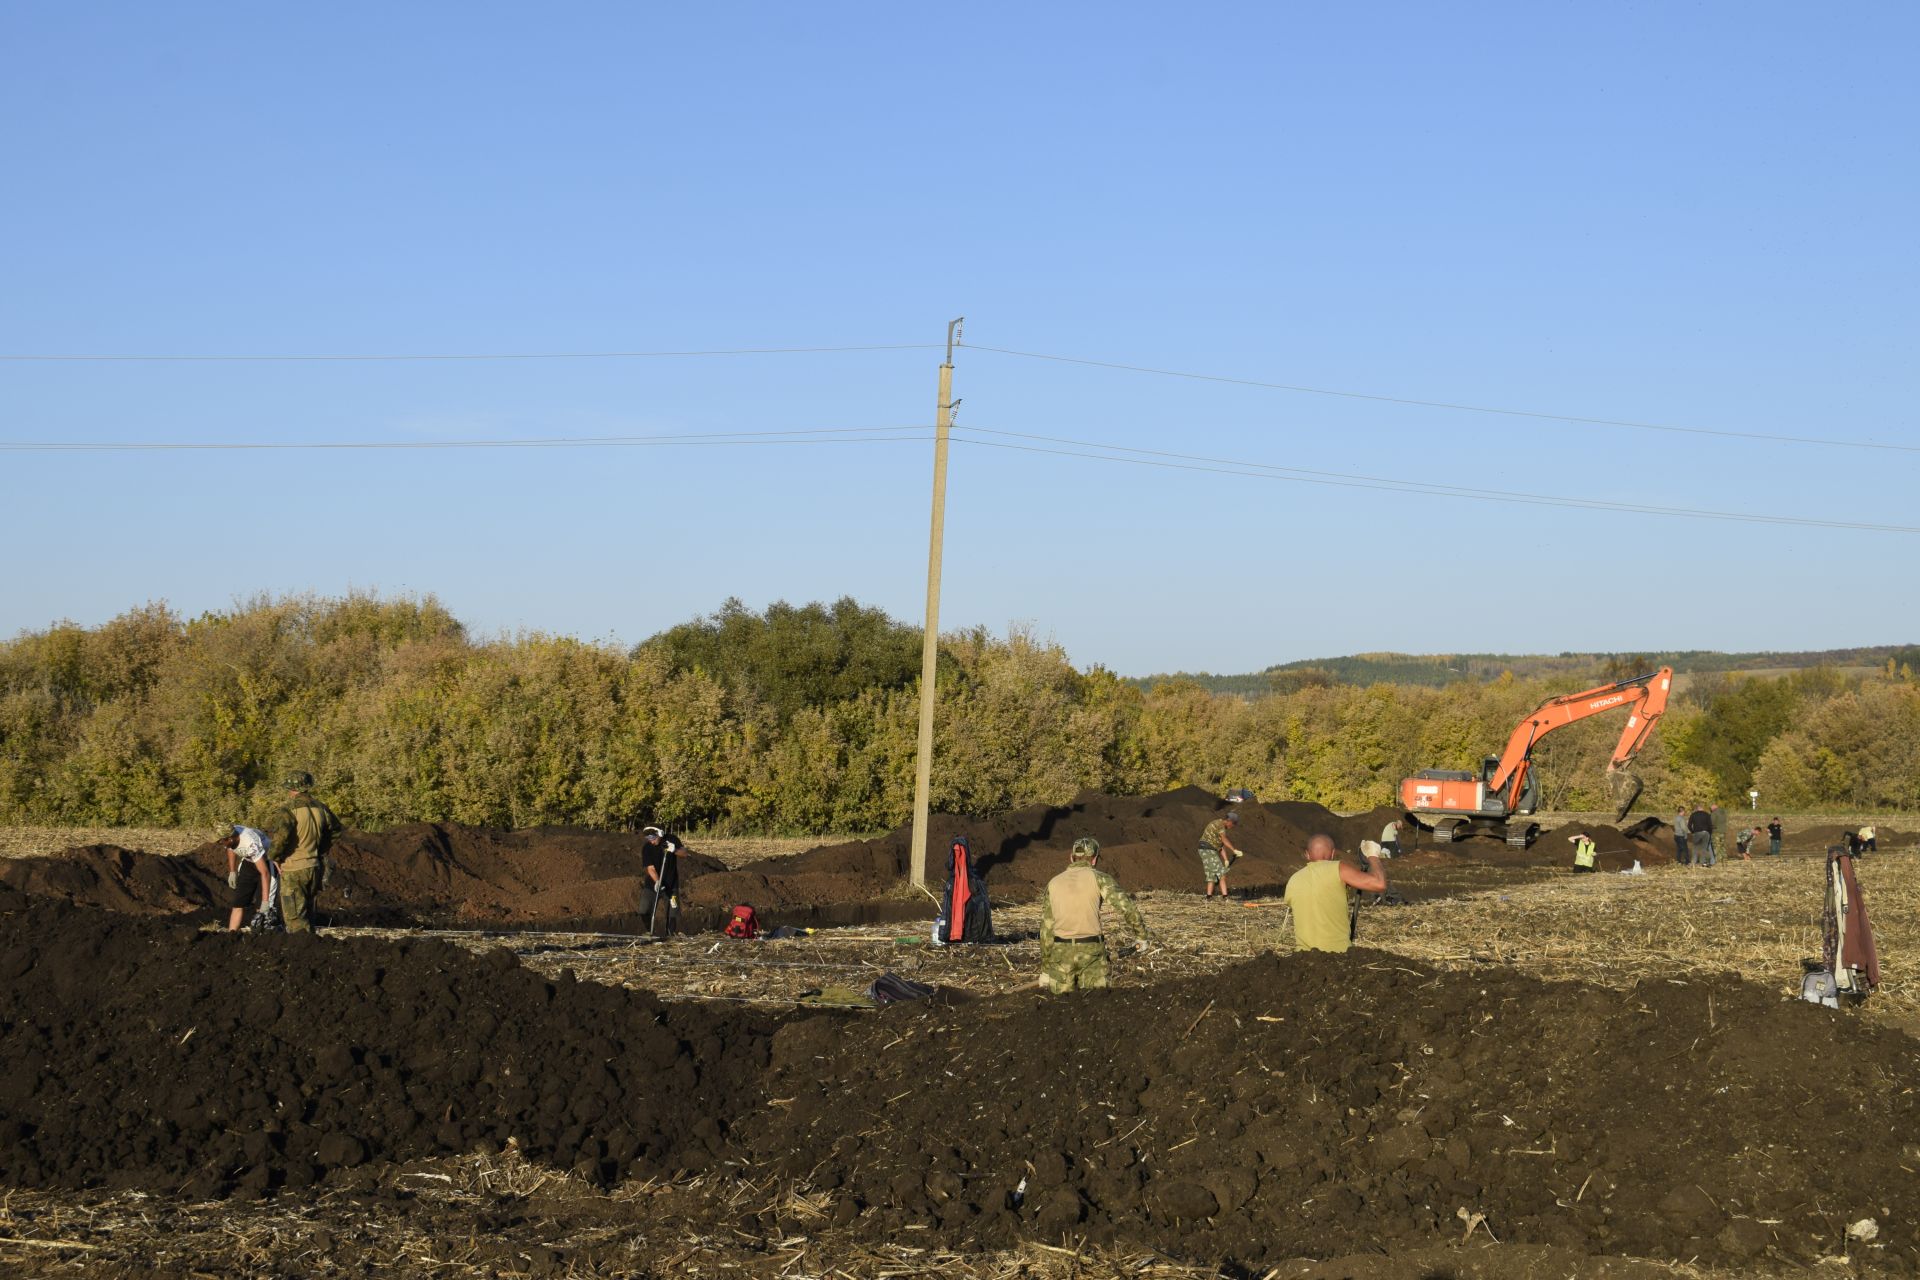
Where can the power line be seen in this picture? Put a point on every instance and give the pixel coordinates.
(817, 435)
(1094, 450)
(489, 355)
(1448, 404)
(1347, 480)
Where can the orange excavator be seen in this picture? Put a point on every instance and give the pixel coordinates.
(1456, 803)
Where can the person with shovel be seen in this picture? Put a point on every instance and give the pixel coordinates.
(1217, 852)
(660, 886)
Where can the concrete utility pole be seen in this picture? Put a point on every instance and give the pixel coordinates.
(930, 642)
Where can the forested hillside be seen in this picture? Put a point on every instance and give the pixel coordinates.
(802, 720)
(1572, 670)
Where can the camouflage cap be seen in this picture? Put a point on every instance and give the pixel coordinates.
(1085, 849)
(223, 831)
(299, 781)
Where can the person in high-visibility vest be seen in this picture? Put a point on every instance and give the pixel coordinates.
(1583, 853)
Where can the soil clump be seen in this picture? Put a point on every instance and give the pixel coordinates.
(1306, 1105)
(137, 1052)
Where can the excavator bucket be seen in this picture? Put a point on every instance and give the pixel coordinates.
(1625, 787)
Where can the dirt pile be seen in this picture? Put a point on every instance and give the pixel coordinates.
(105, 875)
(1297, 1105)
(1149, 842)
(1648, 842)
(1309, 1105)
(142, 1053)
(445, 871)
(448, 874)
(1818, 839)
(422, 873)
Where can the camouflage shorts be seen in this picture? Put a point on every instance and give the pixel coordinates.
(1068, 966)
(1212, 865)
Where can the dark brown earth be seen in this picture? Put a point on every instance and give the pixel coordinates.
(447, 874)
(1310, 1104)
(439, 873)
(1291, 1106)
(1147, 842)
(144, 1053)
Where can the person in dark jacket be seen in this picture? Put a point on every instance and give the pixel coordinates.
(1700, 837)
(660, 882)
(965, 915)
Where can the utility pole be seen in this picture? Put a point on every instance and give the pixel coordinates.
(930, 640)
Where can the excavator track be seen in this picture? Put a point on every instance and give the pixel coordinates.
(1521, 834)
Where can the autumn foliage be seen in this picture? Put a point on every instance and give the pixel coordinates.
(802, 720)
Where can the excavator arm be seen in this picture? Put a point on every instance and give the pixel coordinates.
(1646, 698)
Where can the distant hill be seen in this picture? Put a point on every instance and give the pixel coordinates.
(1574, 668)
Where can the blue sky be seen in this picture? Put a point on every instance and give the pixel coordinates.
(1697, 215)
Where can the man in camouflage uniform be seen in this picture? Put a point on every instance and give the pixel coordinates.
(1217, 852)
(1073, 951)
(306, 829)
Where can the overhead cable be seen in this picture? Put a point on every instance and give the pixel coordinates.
(816, 435)
(28, 357)
(1540, 415)
(1346, 480)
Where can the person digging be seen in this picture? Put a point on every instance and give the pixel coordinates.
(1217, 852)
(660, 889)
(1073, 947)
(253, 880)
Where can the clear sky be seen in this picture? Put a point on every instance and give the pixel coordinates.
(1700, 215)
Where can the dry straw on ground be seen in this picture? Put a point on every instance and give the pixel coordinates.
(499, 1215)
(34, 842)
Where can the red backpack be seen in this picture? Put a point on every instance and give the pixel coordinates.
(743, 923)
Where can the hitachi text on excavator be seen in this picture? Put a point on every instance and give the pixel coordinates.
(1456, 803)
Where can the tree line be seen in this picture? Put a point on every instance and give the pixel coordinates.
(802, 720)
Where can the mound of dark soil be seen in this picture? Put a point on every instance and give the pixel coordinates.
(1147, 842)
(445, 871)
(1817, 839)
(1308, 1105)
(422, 873)
(142, 1053)
(105, 875)
(1299, 1105)
(1648, 842)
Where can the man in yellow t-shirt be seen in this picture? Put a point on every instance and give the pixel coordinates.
(1320, 896)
